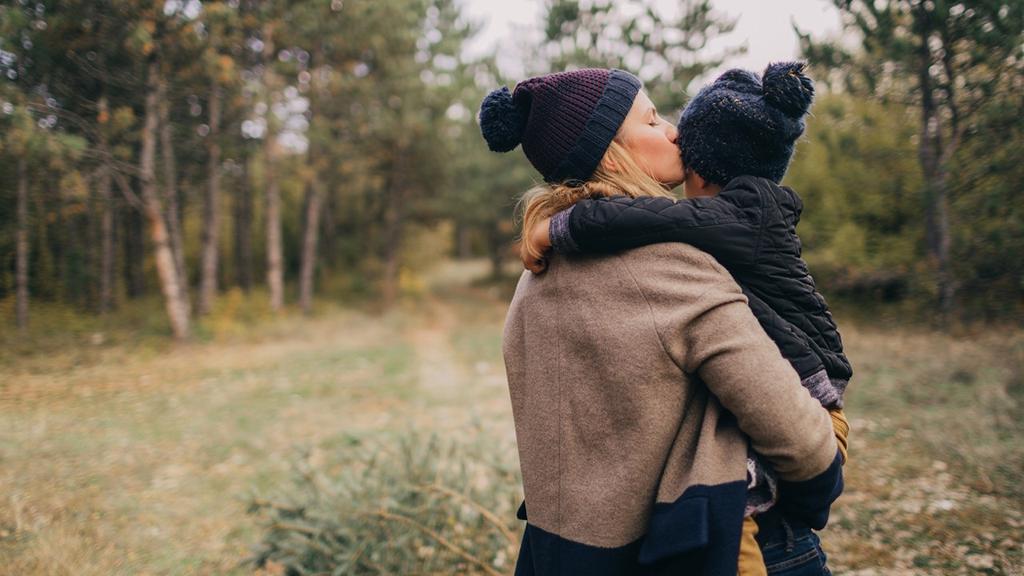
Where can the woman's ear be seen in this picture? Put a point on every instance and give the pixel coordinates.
(609, 164)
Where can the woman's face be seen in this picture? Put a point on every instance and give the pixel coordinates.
(652, 141)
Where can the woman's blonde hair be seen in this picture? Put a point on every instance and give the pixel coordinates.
(546, 200)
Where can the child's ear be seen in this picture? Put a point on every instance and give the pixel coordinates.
(698, 180)
(701, 182)
(609, 165)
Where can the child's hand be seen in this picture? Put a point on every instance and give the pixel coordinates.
(535, 245)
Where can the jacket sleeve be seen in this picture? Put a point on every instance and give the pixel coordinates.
(707, 328)
(801, 351)
(727, 225)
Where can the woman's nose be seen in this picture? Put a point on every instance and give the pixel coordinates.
(673, 134)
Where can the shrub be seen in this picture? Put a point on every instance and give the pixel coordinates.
(415, 506)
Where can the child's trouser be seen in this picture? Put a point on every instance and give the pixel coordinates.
(752, 559)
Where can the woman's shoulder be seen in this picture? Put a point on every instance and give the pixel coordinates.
(665, 270)
(676, 261)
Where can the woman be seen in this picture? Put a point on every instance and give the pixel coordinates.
(633, 379)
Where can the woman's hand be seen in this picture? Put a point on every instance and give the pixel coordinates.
(535, 245)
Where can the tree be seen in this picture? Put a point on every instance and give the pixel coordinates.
(987, 177)
(222, 29)
(856, 170)
(944, 58)
(327, 38)
(355, 118)
(666, 52)
(167, 268)
(485, 185)
(31, 137)
(271, 187)
(22, 246)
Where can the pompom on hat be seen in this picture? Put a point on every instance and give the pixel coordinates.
(742, 124)
(565, 121)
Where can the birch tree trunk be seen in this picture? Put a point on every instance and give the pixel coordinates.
(211, 210)
(21, 306)
(174, 209)
(314, 199)
(170, 280)
(275, 259)
(275, 251)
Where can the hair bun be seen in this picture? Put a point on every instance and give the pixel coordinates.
(787, 88)
(501, 122)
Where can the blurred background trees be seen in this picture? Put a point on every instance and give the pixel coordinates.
(329, 148)
(952, 65)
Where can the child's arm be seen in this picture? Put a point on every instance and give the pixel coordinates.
(800, 349)
(726, 226)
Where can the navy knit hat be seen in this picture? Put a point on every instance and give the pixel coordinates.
(744, 125)
(565, 121)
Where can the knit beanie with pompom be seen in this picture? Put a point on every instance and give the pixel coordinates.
(565, 121)
(743, 125)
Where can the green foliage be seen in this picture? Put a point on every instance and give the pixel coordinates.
(955, 68)
(856, 170)
(374, 103)
(988, 212)
(418, 505)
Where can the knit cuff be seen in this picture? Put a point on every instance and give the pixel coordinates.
(561, 236)
(840, 386)
(762, 486)
(824, 389)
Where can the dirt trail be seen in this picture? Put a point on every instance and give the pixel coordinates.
(141, 463)
(438, 369)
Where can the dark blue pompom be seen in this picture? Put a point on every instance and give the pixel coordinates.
(787, 88)
(501, 121)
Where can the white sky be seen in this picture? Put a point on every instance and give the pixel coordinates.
(764, 25)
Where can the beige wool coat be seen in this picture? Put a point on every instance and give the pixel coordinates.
(637, 381)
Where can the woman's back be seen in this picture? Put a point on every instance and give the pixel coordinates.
(602, 356)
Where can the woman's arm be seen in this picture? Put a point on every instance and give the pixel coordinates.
(715, 336)
(707, 328)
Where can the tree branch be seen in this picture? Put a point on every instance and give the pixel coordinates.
(126, 190)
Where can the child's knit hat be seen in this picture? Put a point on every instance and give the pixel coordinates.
(565, 121)
(744, 125)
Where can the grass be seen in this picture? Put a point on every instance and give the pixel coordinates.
(126, 454)
(128, 465)
(419, 505)
(934, 479)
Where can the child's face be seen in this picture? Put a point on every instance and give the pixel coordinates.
(652, 141)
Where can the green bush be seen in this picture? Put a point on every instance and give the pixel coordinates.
(414, 506)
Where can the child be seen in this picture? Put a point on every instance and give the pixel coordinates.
(737, 138)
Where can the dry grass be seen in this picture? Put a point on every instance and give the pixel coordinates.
(135, 459)
(934, 480)
(140, 461)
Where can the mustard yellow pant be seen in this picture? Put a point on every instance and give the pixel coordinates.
(751, 562)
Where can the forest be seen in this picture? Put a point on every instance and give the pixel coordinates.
(255, 258)
(324, 149)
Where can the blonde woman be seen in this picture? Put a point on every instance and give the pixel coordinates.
(637, 380)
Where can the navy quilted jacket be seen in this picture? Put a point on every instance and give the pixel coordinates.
(750, 228)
